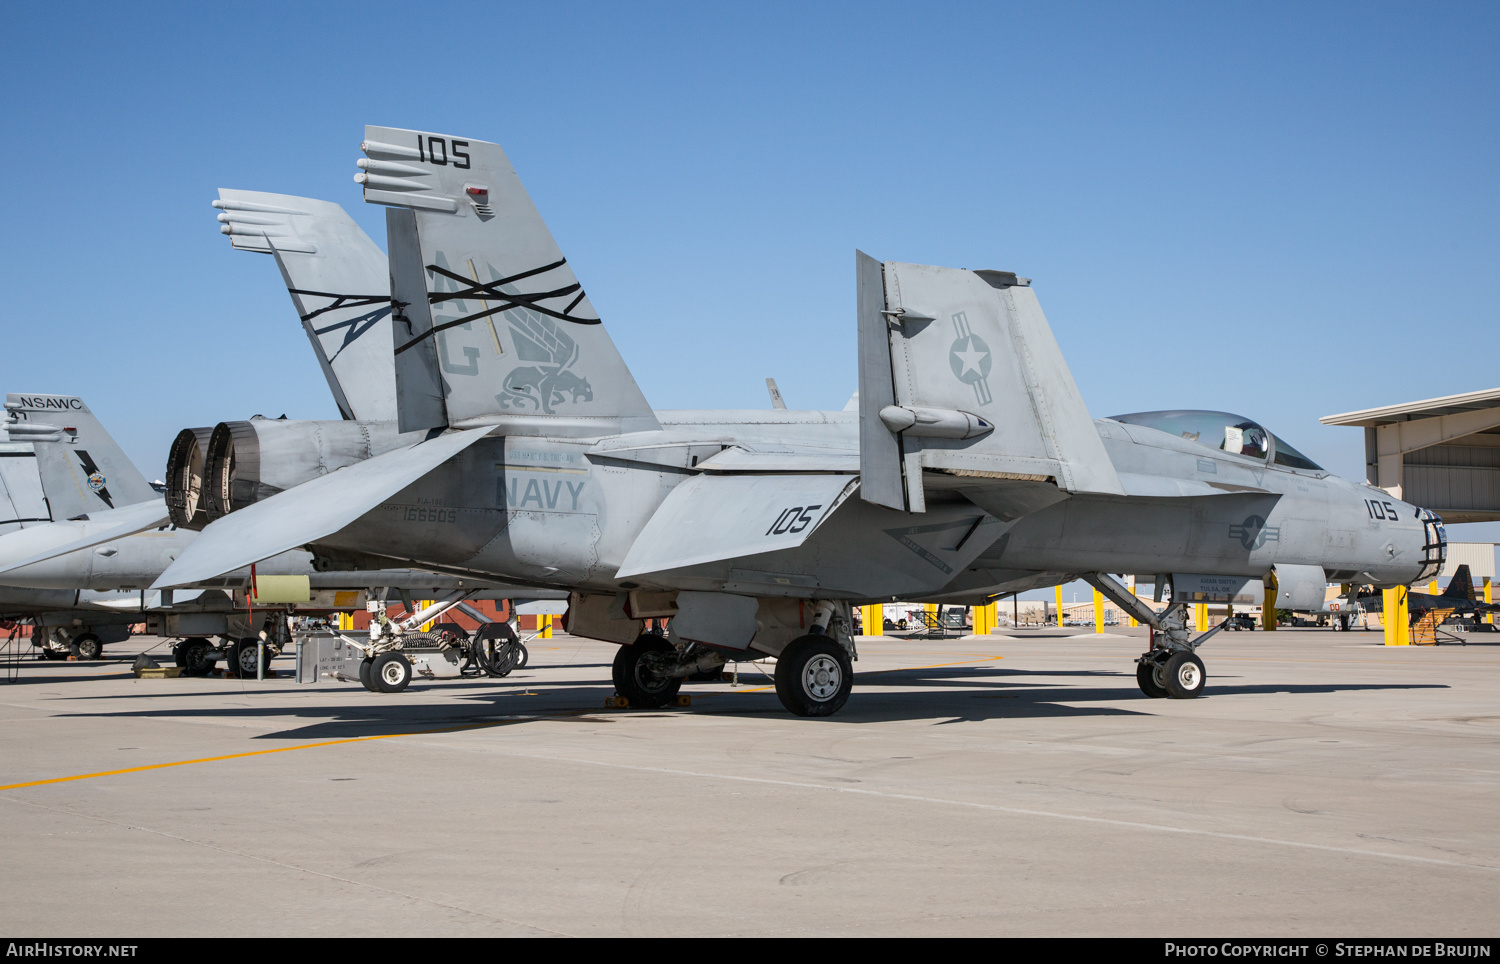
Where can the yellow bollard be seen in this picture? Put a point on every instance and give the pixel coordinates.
(1491, 617)
(1098, 611)
(1131, 621)
(1268, 609)
(1393, 616)
(346, 622)
(872, 620)
(547, 627)
(1059, 606)
(1200, 617)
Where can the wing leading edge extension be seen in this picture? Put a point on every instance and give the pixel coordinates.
(714, 517)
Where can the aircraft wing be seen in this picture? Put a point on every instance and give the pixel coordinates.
(713, 517)
(309, 511)
(960, 374)
(40, 543)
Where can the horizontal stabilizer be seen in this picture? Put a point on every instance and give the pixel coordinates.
(340, 285)
(309, 511)
(713, 517)
(40, 543)
(1165, 487)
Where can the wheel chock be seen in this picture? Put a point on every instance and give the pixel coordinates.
(684, 700)
(617, 702)
(159, 672)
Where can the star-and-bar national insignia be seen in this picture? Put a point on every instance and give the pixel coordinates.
(970, 359)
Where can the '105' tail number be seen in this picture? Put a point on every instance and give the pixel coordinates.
(794, 519)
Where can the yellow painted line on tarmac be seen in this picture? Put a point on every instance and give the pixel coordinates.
(279, 749)
(392, 736)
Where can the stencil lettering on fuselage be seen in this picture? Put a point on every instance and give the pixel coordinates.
(927, 540)
(539, 488)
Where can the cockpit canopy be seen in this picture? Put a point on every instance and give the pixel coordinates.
(1226, 432)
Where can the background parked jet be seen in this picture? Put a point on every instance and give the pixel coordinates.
(971, 468)
(1458, 598)
(86, 598)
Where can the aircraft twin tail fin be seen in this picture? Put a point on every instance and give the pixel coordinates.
(1461, 586)
(339, 283)
(959, 372)
(82, 469)
(490, 323)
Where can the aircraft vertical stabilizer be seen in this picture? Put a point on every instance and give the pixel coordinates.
(339, 283)
(490, 324)
(21, 500)
(960, 373)
(82, 469)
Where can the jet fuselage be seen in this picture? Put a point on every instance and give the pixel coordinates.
(567, 512)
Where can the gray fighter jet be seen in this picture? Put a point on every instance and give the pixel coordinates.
(527, 452)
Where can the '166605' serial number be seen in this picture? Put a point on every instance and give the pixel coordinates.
(428, 514)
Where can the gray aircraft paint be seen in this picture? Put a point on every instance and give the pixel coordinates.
(1010, 484)
(339, 283)
(525, 347)
(22, 502)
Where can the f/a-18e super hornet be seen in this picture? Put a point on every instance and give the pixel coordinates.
(971, 467)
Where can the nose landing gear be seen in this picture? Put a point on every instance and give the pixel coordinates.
(1171, 667)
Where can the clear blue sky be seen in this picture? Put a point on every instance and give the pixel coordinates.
(1280, 210)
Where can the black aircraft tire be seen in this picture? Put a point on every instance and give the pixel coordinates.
(1183, 676)
(390, 672)
(521, 655)
(814, 676)
(87, 646)
(1145, 678)
(632, 679)
(365, 679)
(193, 656)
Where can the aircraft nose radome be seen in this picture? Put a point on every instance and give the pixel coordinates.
(1434, 550)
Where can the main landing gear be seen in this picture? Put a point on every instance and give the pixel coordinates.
(1170, 669)
(814, 676)
(814, 672)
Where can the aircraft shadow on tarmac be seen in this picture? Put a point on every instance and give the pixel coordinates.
(943, 696)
